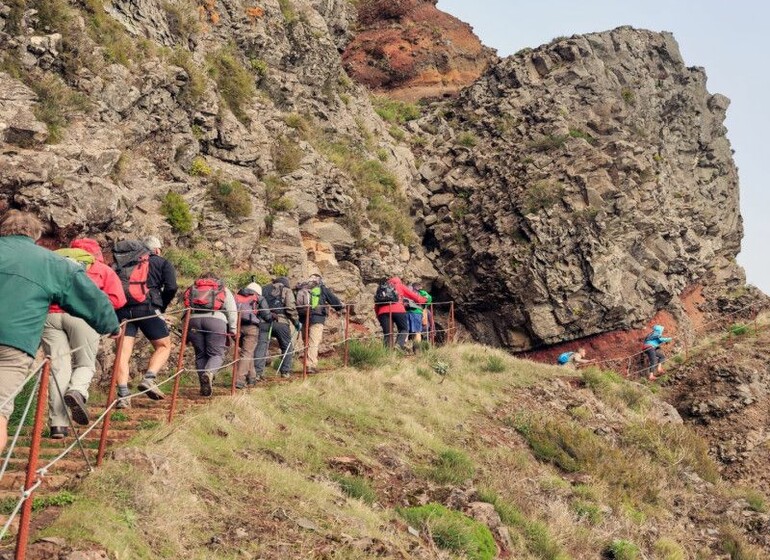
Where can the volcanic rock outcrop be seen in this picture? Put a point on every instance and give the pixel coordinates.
(410, 49)
(579, 188)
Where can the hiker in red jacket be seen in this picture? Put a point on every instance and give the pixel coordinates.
(71, 374)
(389, 306)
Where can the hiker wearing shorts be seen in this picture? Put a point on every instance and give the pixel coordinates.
(148, 296)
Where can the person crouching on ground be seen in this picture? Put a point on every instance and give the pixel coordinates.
(573, 360)
(72, 344)
(213, 318)
(655, 356)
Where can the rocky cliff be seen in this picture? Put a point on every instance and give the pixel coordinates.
(579, 188)
(410, 50)
(575, 189)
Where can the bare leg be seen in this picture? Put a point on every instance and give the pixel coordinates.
(160, 356)
(125, 358)
(3, 432)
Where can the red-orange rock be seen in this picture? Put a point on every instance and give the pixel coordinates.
(411, 50)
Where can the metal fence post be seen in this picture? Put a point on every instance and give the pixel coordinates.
(111, 394)
(179, 364)
(452, 330)
(346, 335)
(34, 452)
(305, 337)
(390, 329)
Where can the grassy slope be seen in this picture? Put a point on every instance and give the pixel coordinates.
(259, 475)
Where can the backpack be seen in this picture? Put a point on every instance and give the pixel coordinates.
(385, 293)
(132, 264)
(303, 296)
(80, 257)
(315, 296)
(206, 294)
(273, 294)
(564, 358)
(247, 303)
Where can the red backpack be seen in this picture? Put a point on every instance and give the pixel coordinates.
(206, 294)
(247, 303)
(132, 264)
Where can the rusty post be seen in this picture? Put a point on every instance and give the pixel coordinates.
(111, 394)
(179, 364)
(305, 336)
(452, 332)
(390, 329)
(236, 351)
(34, 451)
(346, 334)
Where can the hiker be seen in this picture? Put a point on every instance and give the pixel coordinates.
(417, 315)
(283, 312)
(317, 297)
(149, 282)
(253, 311)
(71, 374)
(574, 359)
(213, 318)
(651, 348)
(389, 307)
(31, 279)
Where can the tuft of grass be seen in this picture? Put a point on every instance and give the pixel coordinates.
(578, 133)
(739, 329)
(541, 195)
(199, 167)
(234, 82)
(451, 467)
(667, 549)
(275, 191)
(367, 355)
(193, 90)
(494, 364)
(287, 156)
(119, 416)
(394, 111)
(467, 139)
(588, 511)
(735, 545)
(549, 142)
(621, 549)
(231, 197)
(628, 96)
(288, 11)
(182, 18)
(453, 531)
(177, 212)
(357, 487)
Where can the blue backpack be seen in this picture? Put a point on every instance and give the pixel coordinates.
(564, 358)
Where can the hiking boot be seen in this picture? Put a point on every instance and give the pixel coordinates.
(149, 388)
(285, 374)
(123, 402)
(205, 380)
(59, 432)
(240, 385)
(77, 405)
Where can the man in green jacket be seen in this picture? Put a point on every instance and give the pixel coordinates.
(31, 279)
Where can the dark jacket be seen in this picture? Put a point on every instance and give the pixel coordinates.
(321, 311)
(281, 301)
(31, 279)
(161, 283)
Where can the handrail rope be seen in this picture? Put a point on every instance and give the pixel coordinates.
(25, 494)
(19, 427)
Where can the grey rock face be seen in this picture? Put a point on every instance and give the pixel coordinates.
(579, 188)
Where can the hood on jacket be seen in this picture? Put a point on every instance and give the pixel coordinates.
(395, 280)
(282, 280)
(90, 245)
(658, 329)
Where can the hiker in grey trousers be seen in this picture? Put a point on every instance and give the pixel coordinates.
(208, 335)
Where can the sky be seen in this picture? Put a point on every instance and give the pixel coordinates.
(728, 39)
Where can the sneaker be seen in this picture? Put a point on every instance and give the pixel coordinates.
(58, 432)
(152, 390)
(76, 402)
(123, 402)
(285, 374)
(205, 379)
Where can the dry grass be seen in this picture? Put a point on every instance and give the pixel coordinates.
(261, 463)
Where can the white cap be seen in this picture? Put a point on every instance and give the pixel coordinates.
(152, 243)
(254, 287)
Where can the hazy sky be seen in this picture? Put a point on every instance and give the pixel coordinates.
(727, 38)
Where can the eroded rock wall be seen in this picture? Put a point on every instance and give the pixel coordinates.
(579, 188)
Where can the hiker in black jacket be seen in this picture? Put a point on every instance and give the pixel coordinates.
(149, 294)
(318, 297)
(283, 312)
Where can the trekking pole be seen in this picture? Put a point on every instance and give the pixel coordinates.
(179, 364)
(34, 452)
(111, 394)
(345, 334)
(292, 344)
(236, 348)
(305, 335)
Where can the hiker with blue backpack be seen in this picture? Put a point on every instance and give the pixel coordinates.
(573, 359)
(390, 310)
(651, 349)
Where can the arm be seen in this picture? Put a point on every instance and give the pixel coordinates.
(113, 289)
(414, 296)
(263, 311)
(80, 297)
(169, 284)
(333, 300)
(665, 339)
(231, 311)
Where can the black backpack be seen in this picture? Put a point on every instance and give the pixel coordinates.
(273, 295)
(132, 264)
(386, 293)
